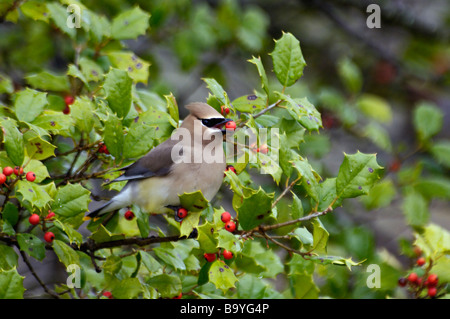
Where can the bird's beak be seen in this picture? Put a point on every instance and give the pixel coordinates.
(219, 125)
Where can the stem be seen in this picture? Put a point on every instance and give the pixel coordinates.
(30, 267)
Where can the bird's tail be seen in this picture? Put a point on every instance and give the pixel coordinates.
(120, 200)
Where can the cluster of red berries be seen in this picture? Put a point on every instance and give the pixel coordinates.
(18, 171)
(68, 100)
(229, 224)
(421, 279)
(224, 110)
(35, 219)
(210, 257)
(264, 149)
(103, 149)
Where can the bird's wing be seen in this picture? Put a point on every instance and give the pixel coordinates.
(157, 162)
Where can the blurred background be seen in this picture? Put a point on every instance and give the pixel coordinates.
(368, 84)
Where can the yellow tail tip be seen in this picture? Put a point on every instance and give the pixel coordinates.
(85, 218)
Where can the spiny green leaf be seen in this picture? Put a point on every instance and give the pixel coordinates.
(288, 61)
(118, 86)
(357, 174)
(11, 284)
(137, 68)
(13, 141)
(207, 237)
(31, 245)
(113, 136)
(255, 209)
(71, 200)
(427, 120)
(320, 237)
(36, 195)
(168, 286)
(65, 253)
(262, 74)
(221, 275)
(130, 24)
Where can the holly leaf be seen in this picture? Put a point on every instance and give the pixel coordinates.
(172, 107)
(65, 253)
(207, 238)
(288, 61)
(168, 286)
(113, 136)
(221, 275)
(31, 245)
(137, 68)
(71, 200)
(11, 284)
(193, 202)
(320, 237)
(303, 286)
(103, 235)
(357, 174)
(130, 24)
(427, 120)
(255, 209)
(13, 141)
(36, 195)
(118, 86)
(262, 74)
(217, 90)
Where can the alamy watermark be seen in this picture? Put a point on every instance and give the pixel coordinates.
(74, 18)
(374, 18)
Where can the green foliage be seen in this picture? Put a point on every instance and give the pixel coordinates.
(116, 106)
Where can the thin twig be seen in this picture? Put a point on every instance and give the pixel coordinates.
(30, 267)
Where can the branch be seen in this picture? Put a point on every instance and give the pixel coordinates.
(30, 267)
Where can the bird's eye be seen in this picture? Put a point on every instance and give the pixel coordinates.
(212, 122)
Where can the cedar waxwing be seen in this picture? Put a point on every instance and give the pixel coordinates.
(175, 167)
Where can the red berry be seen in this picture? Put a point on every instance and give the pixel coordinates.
(8, 170)
(50, 215)
(395, 165)
(231, 168)
(49, 237)
(230, 125)
(421, 261)
(31, 177)
(69, 100)
(227, 254)
(108, 294)
(179, 296)
(432, 291)
(432, 280)
(402, 282)
(182, 212)
(209, 257)
(230, 226)
(18, 170)
(66, 110)
(2, 178)
(224, 110)
(225, 217)
(412, 278)
(263, 149)
(129, 215)
(34, 219)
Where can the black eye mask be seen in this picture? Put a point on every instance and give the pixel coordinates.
(214, 122)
